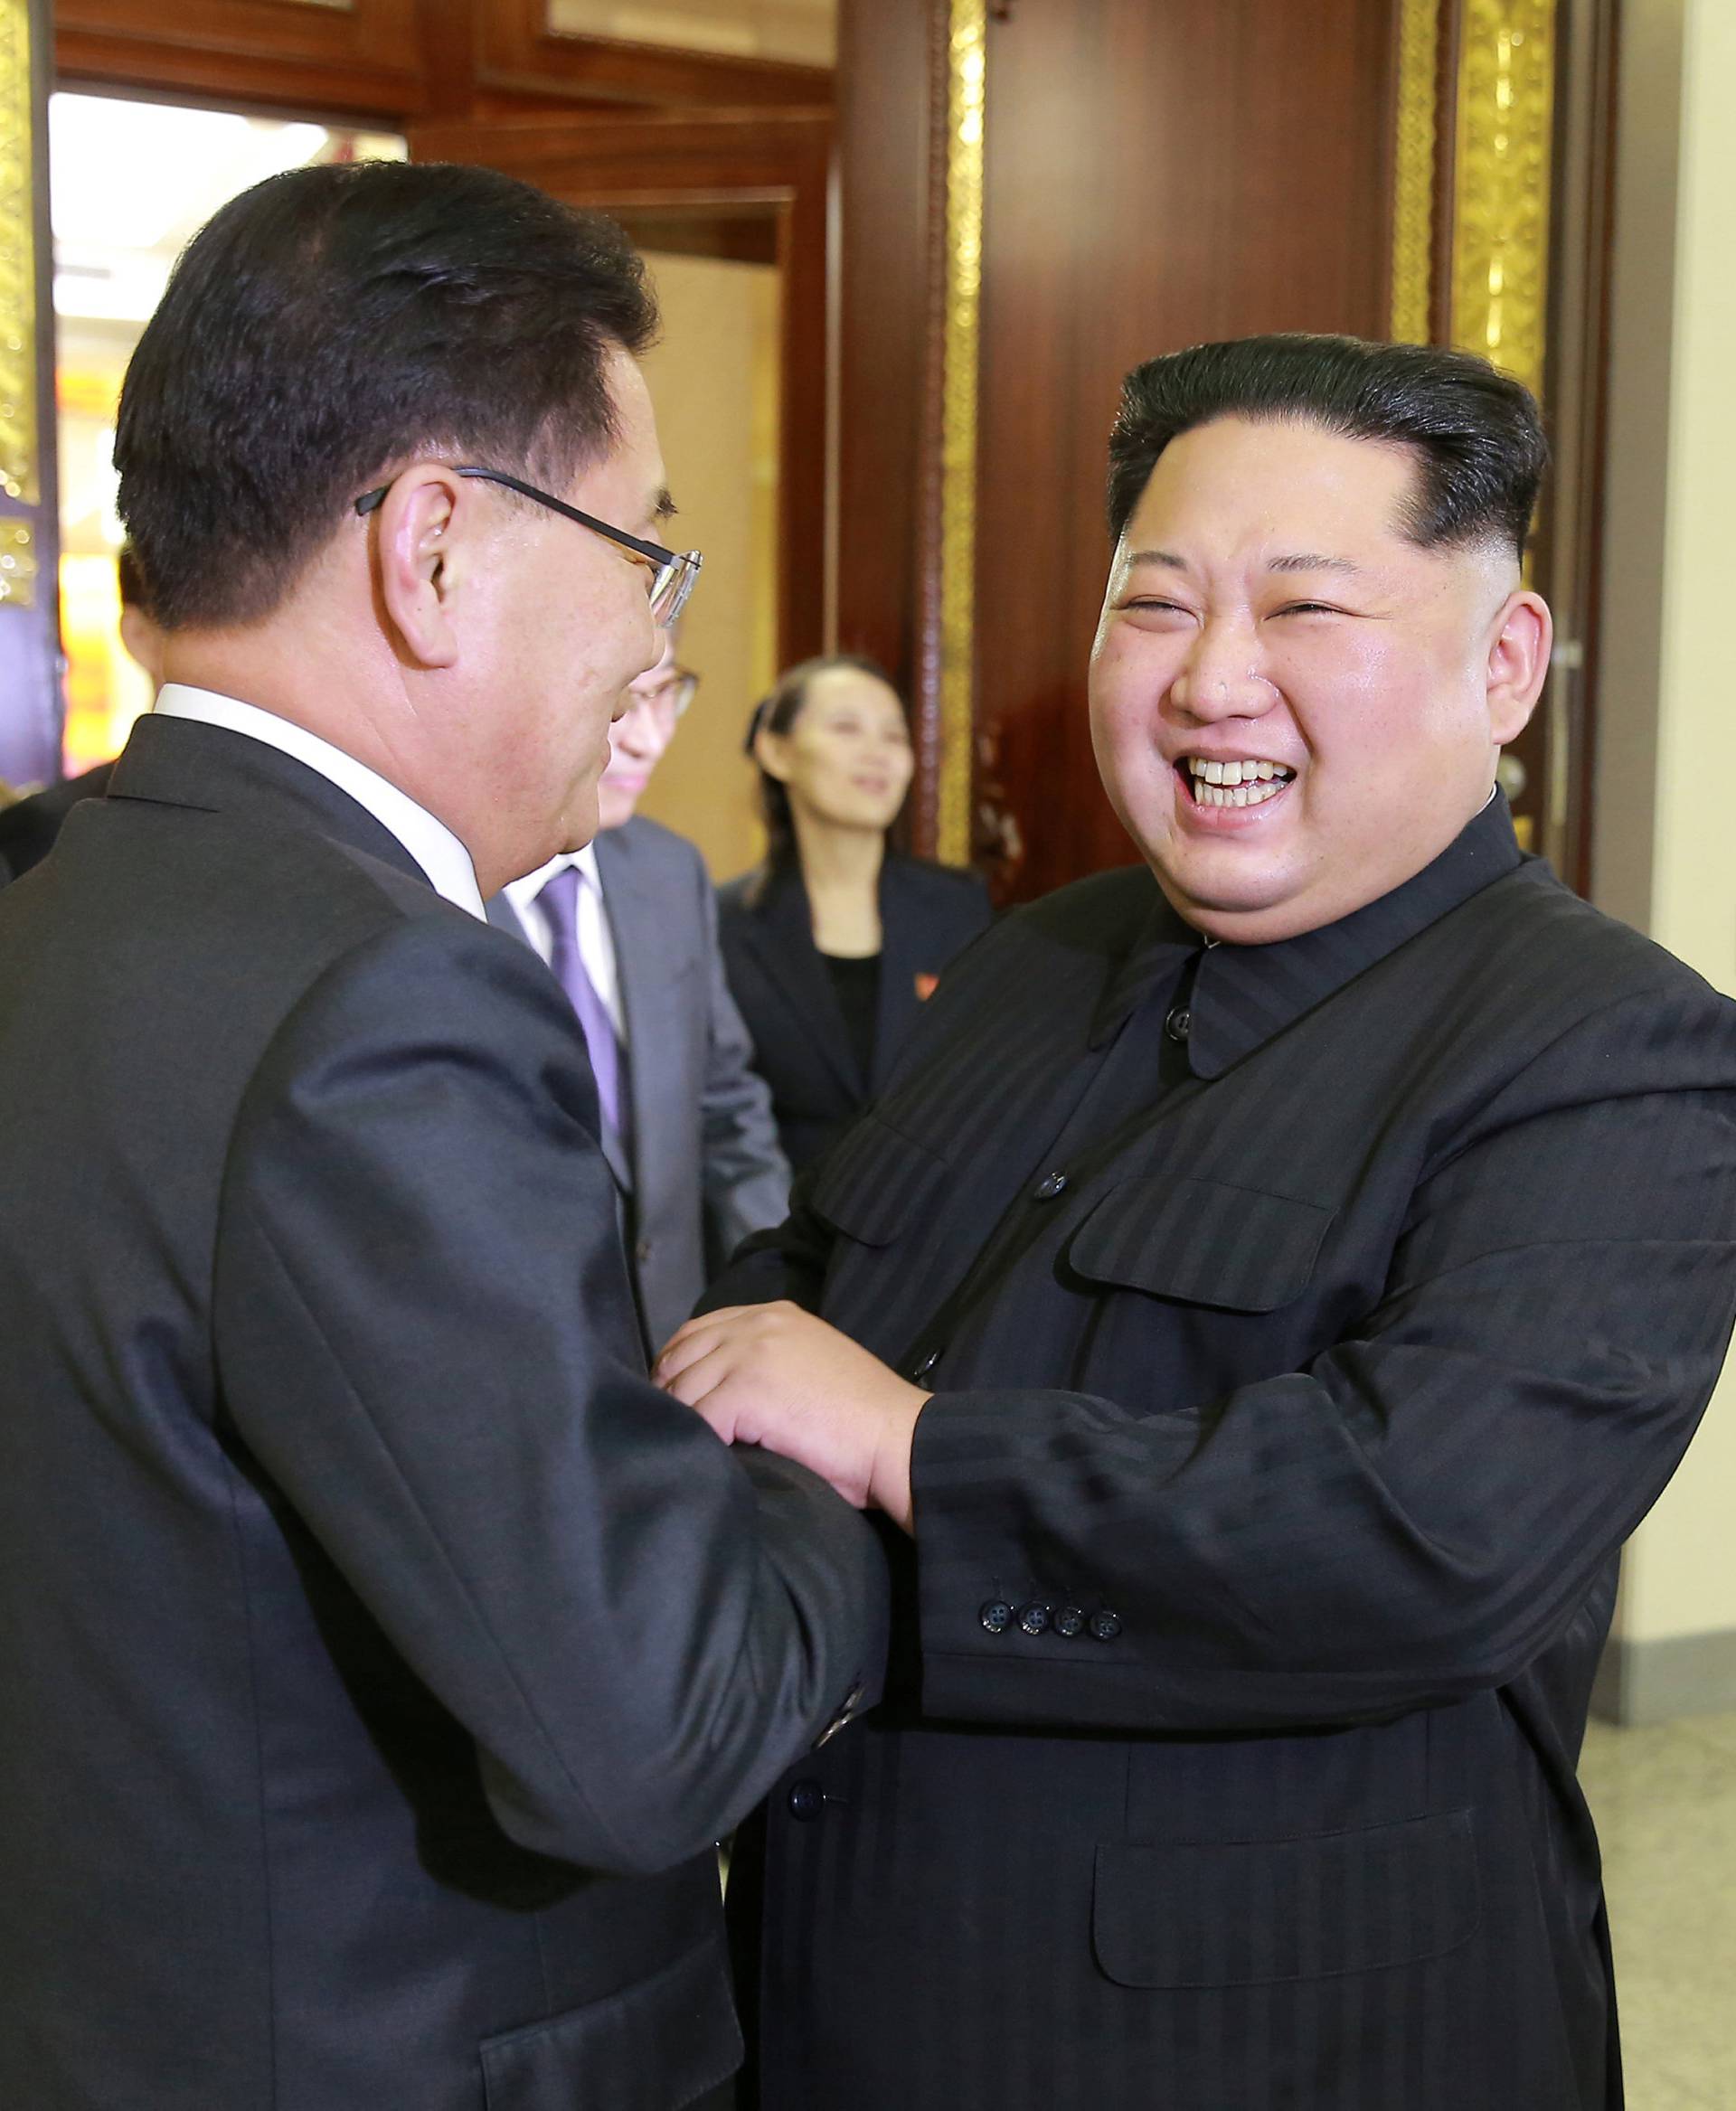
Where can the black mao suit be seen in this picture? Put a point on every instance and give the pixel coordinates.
(371, 1632)
(801, 1043)
(1308, 1325)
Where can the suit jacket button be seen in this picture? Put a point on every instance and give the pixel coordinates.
(805, 1801)
(642, 1250)
(1034, 1618)
(1179, 1023)
(1048, 1187)
(996, 1615)
(1069, 1621)
(1106, 1626)
(925, 1366)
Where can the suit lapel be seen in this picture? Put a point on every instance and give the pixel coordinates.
(781, 935)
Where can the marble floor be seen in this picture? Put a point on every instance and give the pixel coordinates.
(1664, 1800)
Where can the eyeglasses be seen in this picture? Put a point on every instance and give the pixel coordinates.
(672, 572)
(668, 699)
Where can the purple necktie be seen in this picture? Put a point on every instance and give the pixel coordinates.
(557, 899)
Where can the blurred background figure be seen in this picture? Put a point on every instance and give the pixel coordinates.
(29, 826)
(832, 944)
(629, 926)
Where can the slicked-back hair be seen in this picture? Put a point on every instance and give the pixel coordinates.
(334, 323)
(1476, 433)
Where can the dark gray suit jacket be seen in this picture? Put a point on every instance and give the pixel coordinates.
(1287, 1422)
(371, 1632)
(706, 1168)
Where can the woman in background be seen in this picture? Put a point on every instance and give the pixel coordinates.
(832, 944)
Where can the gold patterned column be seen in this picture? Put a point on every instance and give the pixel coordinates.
(967, 62)
(20, 459)
(1501, 177)
(1414, 172)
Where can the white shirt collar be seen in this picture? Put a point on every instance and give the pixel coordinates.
(521, 893)
(439, 853)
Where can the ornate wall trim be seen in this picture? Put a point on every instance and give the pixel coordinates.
(966, 72)
(20, 442)
(1499, 295)
(1413, 171)
(18, 564)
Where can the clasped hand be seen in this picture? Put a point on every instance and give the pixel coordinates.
(773, 1374)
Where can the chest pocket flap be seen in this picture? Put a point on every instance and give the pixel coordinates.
(1202, 1241)
(874, 1181)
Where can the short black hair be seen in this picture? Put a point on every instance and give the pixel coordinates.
(331, 324)
(1476, 434)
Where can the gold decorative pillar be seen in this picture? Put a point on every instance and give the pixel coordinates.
(1484, 164)
(1499, 295)
(1414, 172)
(967, 79)
(1471, 247)
(29, 685)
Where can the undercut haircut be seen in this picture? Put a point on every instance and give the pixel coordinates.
(332, 324)
(1476, 434)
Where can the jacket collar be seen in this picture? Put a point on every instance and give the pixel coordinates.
(1244, 995)
(183, 762)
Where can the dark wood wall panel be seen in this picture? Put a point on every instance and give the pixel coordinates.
(1159, 172)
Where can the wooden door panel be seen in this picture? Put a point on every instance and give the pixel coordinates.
(517, 52)
(362, 59)
(1156, 174)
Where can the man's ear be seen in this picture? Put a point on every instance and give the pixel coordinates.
(422, 555)
(1518, 663)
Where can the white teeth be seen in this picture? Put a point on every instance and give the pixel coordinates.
(1244, 795)
(1214, 773)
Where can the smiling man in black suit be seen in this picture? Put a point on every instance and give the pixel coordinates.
(382, 1652)
(1268, 1293)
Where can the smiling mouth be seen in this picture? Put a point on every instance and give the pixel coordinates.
(1245, 781)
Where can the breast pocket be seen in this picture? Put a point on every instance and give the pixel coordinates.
(1202, 1242)
(1250, 1913)
(656, 2045)
(876, 1183)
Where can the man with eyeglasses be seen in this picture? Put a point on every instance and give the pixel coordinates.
(629, 926)
(382, 1652)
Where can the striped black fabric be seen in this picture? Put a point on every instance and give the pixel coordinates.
(1267, 1509)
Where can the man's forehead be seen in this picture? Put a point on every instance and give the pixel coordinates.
(1289, 495)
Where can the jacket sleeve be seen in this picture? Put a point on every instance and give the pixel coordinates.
(744, 1175)
(1423, 1509)
(423, 1334)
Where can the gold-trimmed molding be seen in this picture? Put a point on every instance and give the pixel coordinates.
(966, 72)
(1500, 295)
(18, 564)
(20, 472)
(1413, 171)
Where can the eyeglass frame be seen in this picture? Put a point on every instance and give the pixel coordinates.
(681, 679)
(674, 570)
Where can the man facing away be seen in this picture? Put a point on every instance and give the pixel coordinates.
(1268, 1294)
(629, 925)
(382, 1652)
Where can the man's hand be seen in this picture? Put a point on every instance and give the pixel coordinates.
(773, 1374)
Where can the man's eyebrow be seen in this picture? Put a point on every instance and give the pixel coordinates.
(1312, 560)
(1164, 557)
(662, 507)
